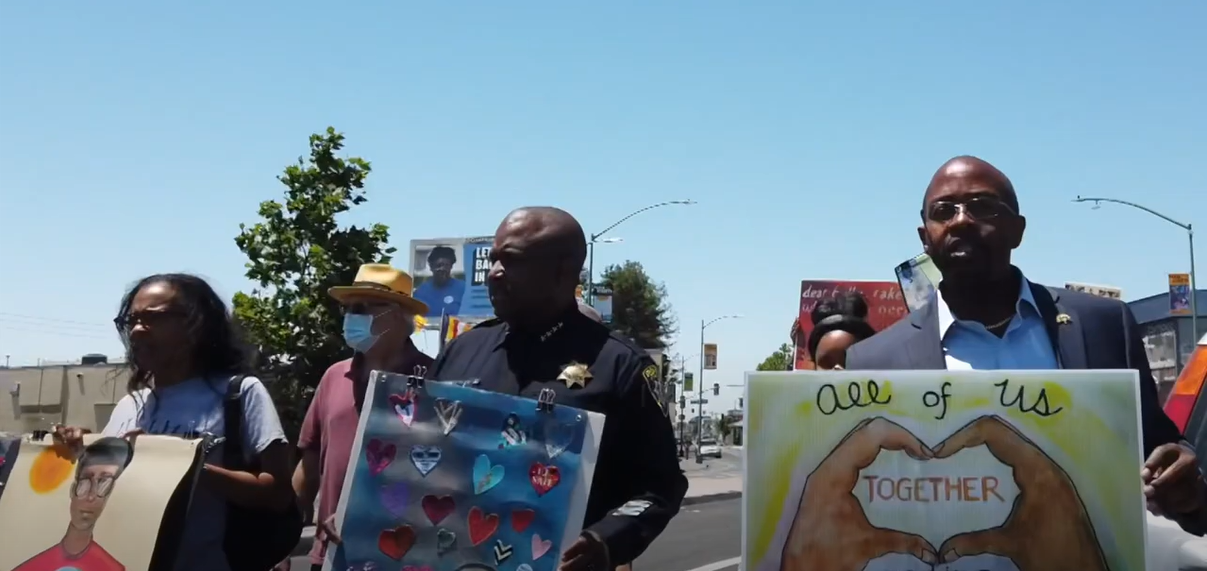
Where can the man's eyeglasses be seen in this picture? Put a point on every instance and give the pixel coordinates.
(979, 208)
(99, 487)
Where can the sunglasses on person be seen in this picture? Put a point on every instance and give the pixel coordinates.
(978, 208)
(147, 318)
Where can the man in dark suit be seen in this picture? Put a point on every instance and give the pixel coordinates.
(986, 315)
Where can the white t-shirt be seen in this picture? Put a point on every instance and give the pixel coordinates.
(190, 409)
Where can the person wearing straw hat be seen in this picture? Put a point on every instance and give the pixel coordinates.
(380, 315)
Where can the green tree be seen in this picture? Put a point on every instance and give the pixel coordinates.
(780, 360)
(640, 310)
(295, 253)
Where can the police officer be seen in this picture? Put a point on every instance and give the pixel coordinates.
(541, 340)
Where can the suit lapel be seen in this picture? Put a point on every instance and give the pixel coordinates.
(1068, 339)
(925, 348)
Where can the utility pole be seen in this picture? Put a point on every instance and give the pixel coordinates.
(700, 393)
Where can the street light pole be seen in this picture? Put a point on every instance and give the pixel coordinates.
(596, 238)
(1194, 290)
(700, 393)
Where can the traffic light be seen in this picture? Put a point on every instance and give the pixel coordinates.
(716, 389)
(666, 367)
(741, 402)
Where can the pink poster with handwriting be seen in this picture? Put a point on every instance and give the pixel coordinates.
(885, 307)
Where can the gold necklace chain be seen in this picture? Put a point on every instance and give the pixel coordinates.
(1000, 323)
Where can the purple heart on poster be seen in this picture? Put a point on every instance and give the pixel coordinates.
(394, 498)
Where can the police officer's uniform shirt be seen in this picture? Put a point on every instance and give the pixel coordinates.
(638, 485)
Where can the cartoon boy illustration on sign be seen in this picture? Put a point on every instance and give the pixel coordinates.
(95, 475)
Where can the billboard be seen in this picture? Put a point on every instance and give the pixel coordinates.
(710, 356)
(885, 306)
(450, 276)
(1179, 294)
(1098, 290)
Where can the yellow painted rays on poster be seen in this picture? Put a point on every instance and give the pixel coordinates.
(51, 467)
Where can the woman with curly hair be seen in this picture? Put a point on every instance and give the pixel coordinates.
(838, 323)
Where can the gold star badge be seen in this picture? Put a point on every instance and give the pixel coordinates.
(1064, 319)
(575, 375)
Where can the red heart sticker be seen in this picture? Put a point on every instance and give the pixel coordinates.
(544, 478)
(481, 526)
(438, 508)
(521, 519)
(395, 543)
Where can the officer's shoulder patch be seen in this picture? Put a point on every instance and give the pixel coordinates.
(650, 373)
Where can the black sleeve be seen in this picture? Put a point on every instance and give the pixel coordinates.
(1158, 428)
(659, 482)
(433, 372)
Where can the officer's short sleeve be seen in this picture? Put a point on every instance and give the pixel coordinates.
(660, 484)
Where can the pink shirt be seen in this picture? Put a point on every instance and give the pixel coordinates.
(330, 427)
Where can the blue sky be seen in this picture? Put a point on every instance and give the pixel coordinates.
(136, 136)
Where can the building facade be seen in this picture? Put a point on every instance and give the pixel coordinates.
(72, 394)
(1168, 339)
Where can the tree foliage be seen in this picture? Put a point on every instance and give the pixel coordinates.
(295, 253)
(780, 360)
(640, 310)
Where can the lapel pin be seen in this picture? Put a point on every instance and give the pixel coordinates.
(1064, 319)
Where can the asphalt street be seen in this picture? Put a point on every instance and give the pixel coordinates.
(701, 535)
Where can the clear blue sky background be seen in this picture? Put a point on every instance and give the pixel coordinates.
(136, 136)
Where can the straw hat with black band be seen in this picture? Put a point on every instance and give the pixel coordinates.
(384, 283)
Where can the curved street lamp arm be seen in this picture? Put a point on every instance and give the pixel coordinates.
(597, 235)
(716, 319)
(1185, 227)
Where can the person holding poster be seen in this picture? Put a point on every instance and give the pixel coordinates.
(185, 357)
(838, 324)
(379, 318)
(542, 341)
(986, 315)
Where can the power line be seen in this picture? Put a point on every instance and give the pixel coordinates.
(54, 320)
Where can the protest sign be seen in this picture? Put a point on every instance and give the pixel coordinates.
(53, 502)
(448, 477)
(943, 470)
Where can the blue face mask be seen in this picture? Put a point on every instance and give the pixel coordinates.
(358, 332)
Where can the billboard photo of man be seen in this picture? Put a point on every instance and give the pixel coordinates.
(442, 292)
(96, 473)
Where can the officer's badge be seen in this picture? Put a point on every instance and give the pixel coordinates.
(575, 375)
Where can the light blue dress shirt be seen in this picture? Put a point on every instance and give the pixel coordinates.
(968, 345)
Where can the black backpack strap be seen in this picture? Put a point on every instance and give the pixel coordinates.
(232, 449)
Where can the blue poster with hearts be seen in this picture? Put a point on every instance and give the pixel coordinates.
(447, 477)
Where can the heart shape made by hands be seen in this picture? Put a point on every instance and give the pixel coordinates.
(394, 497)
(404, 406)
(448, 412)
(379, 455)
(544, 477)
(540, 546)
(425, 458)
(971, 489)
(438, 508)
(558, 436)
(486, 476)
(521, 519)
(395, 543)
(445, 542)
(481, 525)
